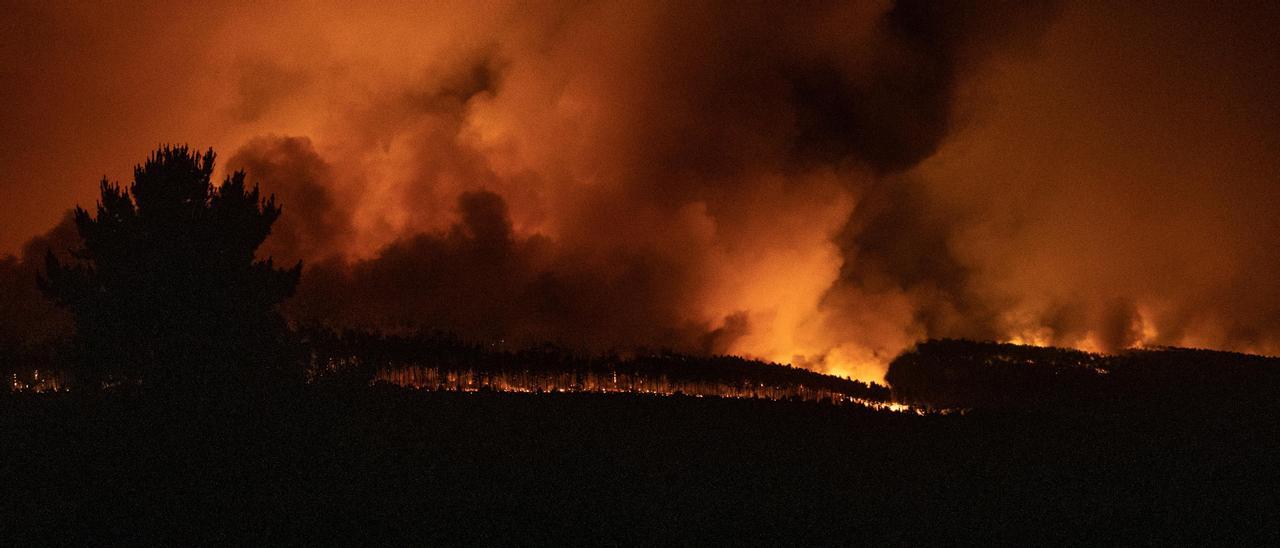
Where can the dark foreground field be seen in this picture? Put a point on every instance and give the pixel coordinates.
(381, 464)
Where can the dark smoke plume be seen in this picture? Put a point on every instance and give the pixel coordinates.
(824, 184)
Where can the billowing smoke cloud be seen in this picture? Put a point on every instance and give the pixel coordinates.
(1121, 193)
(823, 184)
(317, 225)
(665, 175)
(481, 280)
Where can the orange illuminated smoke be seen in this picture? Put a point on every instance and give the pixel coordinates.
(816, 183)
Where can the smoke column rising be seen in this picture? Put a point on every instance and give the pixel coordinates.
(821, 185)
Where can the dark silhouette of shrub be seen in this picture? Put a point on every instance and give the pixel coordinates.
(166, 287)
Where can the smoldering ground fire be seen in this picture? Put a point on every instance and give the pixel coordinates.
(823, 185)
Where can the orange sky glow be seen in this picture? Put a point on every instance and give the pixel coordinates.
(821, 186)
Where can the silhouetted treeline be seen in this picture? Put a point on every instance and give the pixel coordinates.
(353, 356)
(959, 373)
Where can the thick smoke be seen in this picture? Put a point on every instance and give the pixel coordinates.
(1122, 193)
(669, 176)
(318, 225)
(480, 280)
(824, 184)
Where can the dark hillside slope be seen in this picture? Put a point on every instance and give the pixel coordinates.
(957, 373)
(383, 465)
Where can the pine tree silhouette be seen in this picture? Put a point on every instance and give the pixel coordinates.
(166, 287)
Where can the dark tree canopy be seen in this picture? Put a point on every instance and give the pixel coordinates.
(166, 286)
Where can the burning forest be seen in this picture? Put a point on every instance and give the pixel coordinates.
(821, 186)
(618, 272)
